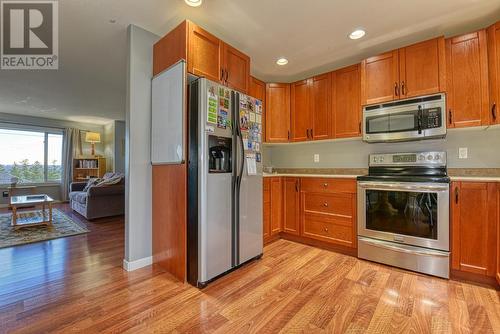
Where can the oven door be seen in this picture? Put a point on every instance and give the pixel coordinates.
(408, 213)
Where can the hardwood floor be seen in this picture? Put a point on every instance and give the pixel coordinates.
(76, 284)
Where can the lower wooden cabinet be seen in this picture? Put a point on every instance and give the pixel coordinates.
(291, 207)
(474, 215)
(266, 208)
(272, 208)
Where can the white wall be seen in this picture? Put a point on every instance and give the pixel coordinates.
(138, 244)
(119, 150)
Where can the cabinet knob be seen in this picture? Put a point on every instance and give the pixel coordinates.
(325, 229)
(325, 185)
(325, 204)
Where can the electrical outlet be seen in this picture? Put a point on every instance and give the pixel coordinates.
(5, 194)
(463, 153)
(316, 158)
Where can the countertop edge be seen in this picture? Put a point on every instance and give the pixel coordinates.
(349, 176)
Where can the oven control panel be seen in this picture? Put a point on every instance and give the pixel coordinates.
(409, 159)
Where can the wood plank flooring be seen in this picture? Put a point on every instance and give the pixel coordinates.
(76, 284)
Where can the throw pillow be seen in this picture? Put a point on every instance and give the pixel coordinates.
(90, 183)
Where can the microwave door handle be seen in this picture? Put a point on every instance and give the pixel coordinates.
(419, 119)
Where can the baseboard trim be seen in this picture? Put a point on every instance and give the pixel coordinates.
(137, 264)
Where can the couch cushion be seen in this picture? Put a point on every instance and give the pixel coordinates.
(78, 196)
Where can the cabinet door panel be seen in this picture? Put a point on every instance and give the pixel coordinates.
(467, 80)
(321, 107)
(204, 53)
(257, 89)
(422, 68)
(346, 90)
(277, 113)
(237, 67)
(291, 205)
(474, 209)
(276, 205)
(494, 72)
(300, 111)
(379, 78)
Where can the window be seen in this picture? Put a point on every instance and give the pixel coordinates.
(33, 156)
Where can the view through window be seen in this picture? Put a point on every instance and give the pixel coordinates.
(31, 156)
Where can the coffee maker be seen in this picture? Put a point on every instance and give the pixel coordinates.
(219, 151)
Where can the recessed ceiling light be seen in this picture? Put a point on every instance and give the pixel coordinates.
(112, 21)
(193, 3)
(357, 34)
(282, 61)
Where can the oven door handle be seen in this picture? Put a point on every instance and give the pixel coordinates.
(400, 186)
(401, 249)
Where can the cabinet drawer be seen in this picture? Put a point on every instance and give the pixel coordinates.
(327, 185)
(325, 228)
(334, 204)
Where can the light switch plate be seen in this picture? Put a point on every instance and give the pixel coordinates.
(463, 153)
(316, 158)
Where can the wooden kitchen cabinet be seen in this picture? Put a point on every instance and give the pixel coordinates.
(493, 36)
(206, 56)
(277, 114)
(474, 209)
(300, 112)
(236, 69)
(467, 75)
(497, 274)
(415, 70)
(380, 78)
(346, 102)
(328, 210)
(291, 198)
(276, 217)
(257, 89)
(321, 100)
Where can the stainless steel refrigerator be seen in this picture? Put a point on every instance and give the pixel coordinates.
(224, 180)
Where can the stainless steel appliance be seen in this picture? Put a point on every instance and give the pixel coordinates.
(224, 180)
(403, 212)
(404, 120)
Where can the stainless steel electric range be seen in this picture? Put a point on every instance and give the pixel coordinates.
(403, 212)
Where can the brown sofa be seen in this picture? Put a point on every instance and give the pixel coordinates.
(98, 201)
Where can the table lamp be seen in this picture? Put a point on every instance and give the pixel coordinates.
(93, 138)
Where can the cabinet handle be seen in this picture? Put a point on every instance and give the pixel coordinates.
(307, 133)
(325, 204)
(359, 124)
(227, 75)
(402, 88)
(222, 74)
(297, 186)
(288, 136)
(456, 195)
(494, 111)
(450, 116)
(396, 89)
(312, 136)
(325, 185)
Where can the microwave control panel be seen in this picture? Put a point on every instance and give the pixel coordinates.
(432, 118)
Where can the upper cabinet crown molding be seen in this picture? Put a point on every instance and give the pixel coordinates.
(415, 70)
(206, 55)
(467, 75)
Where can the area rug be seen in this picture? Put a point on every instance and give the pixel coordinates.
(62, 226)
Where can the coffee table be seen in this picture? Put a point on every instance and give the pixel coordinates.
(25, 219)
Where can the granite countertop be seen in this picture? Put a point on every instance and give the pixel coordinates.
(456, 174)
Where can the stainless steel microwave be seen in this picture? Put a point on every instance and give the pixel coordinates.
(412, 119)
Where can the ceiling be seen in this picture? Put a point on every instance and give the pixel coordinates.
(90, 85)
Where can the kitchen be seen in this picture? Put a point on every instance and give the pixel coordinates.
(390, 160)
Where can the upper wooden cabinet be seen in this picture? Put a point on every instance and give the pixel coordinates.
(257, 89)
(467, 75)
(494, 71)
(346, 105)
(311, 116)
(206, 55)
(474, 212)
(277, 113)
(300, 124)
(236, 69)
(321, 97)
(415, 70)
